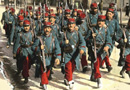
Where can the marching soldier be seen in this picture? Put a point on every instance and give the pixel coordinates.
(125, 43)
(12, 22)
(112, 5)
(74, 14)
(38, 23)
(48, 44)
(72, 51)
(26, 15)
(5, 20)
(83, 29)
(92, 22)
(67, 16)
(101, 44)
(55, 27)
(24, 43)
(19, 28)
(114, 28)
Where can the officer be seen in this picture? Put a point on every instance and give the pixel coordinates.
(102, 41)
(114, 28)
(83, 29)
(5, 20)
(24, 43)
(19, 28)
(50, 46)
(112, 5)
(12, 22)
(72, 51)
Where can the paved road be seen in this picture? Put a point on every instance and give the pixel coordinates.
(111, 81)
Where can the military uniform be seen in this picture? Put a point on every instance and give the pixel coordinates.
(83, 29)
(51, 48)
(102, 39)
(71, 58)
(12, 21)
(92, 21)
(114, 28)
(38, 24)
(126, 44)
(5, 18)
(23, 48)
(112, 5)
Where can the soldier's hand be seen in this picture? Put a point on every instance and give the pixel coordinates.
(42, 47)
(57, 62)
(94, 34)
(76, 28)
(81, 52)
(125, 40)
(66, 41)
(106, 48)
(14, 56)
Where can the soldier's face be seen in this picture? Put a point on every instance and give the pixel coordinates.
(71, 27)
(31, 13)
(75, 13)
(21, 23)
(95, 10)
(47, 30)
(52, 20)
(110, 15)
(7, 9)
(59, 11)
(38, 16)
(101, 23)
(51, 12)
(46, 19)
(67, 16)
(26, 28)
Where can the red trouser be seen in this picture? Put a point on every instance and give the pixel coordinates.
(97, 73)
(127, 63)
(69, 69)
(84, 61)
(44, 76)
(106, 61)
(26, 67)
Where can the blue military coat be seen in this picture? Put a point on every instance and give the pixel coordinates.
(51, 46)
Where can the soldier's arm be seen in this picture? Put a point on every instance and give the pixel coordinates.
(16, 44)
(108, 39)
(57, 49)
(36, 44)
(82, 44)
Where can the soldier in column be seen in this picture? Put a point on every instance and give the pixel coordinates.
(124, 41)
(12, 22)
(19, 28)
(101, 43)
(74, 47)
(24, 43)
(74, 14)
(82, 25)
(114, 28)
(67, 16)
(5, 18)
(92, 22)
(112, 5)
(38, 23)
(48, 44)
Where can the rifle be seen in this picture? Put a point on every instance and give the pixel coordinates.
(94, 40)
(33, 28)
(42, 55)
(43, 10)
(25, 7)
(62, 24)
(66, 6)
(81, 7)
